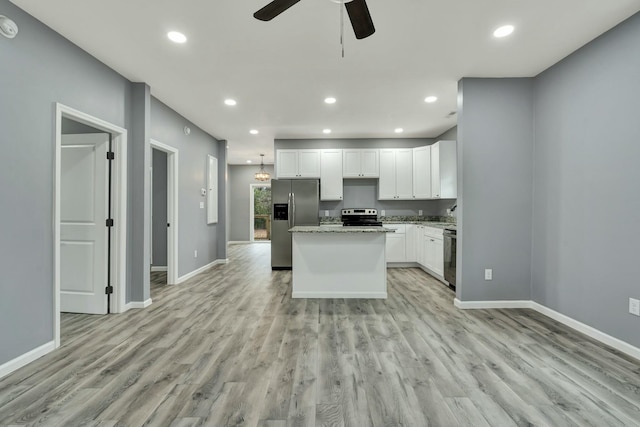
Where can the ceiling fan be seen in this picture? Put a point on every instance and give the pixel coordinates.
(356, 9)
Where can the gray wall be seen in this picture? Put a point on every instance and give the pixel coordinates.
(159, 208)
(364, 192)
(195, 234)
(586, 232)
(495, 175)
(240, 177)
(39, 68)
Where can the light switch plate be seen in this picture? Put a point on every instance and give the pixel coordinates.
(634, 306)
(201, 205)
(488, 274)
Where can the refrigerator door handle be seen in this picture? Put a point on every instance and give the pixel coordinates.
(289, 213)
(293, 200)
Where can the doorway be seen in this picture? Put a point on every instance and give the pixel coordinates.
(90, 181)
(260, 212)
(164, 214)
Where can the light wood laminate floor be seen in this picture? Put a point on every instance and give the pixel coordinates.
(230, 347)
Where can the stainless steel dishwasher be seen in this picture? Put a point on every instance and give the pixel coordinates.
(450, 237)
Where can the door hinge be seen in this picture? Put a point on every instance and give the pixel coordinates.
(108, 290)
(110, 222)
(111, 155)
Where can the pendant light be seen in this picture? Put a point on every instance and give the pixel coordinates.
(262, 175)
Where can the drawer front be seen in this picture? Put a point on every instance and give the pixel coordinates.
(433, 232)
(399, 228)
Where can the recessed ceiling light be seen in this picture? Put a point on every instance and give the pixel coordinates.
(253, 132)
(399, 130)
(176, 37)
(248, 161)
(327, 131)
(230, 102)
(330, 100)
(503, 31)
(431, 99)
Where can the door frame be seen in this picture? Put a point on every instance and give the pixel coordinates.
(119, 205)
(252, 212)
(172, 209)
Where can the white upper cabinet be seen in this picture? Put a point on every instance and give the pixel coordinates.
(422, 172)
(360, 163)
(396, 174)
(298, 163)
(331, 174)
(444, 170)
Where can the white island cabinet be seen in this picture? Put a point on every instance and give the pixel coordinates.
(339, 262)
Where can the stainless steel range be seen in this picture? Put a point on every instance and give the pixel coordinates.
(360, 217)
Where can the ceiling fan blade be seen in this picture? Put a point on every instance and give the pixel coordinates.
(360, 18)
(273, 9)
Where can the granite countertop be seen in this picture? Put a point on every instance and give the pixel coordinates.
(435, 222)
(337, 228)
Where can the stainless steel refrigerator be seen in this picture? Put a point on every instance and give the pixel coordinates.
(295, 202)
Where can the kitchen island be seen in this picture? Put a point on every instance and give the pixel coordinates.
(339, 262)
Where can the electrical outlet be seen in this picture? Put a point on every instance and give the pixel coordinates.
(634, 306)
(326, 213)
(488, 274)
(195, 253)
(382, 213)
(419, 212)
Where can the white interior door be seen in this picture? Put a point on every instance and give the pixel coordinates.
(83, 231)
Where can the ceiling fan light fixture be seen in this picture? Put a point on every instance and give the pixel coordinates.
(262, 175)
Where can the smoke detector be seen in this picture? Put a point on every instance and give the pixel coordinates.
(8, 28)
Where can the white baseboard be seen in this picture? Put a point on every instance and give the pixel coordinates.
(239, 242)
(158, 268)
(137, 304)
(200, 270)
(589, 331)
(25, 359)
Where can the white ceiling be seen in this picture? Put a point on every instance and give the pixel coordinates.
(281, 71)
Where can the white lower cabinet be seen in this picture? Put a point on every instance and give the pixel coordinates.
(396, 243)
(432, 250)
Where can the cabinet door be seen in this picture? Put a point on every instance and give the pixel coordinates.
(395, 248)
(287, 163)
(438, 256)
(419, 242)
(404, 173)
(448, 170)
(429, 252)
(387, 182)
(435, 170)
(309, 163)
(331, 175)
(351, 163)
(422, 172)
(410, 243)
(369, 163)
